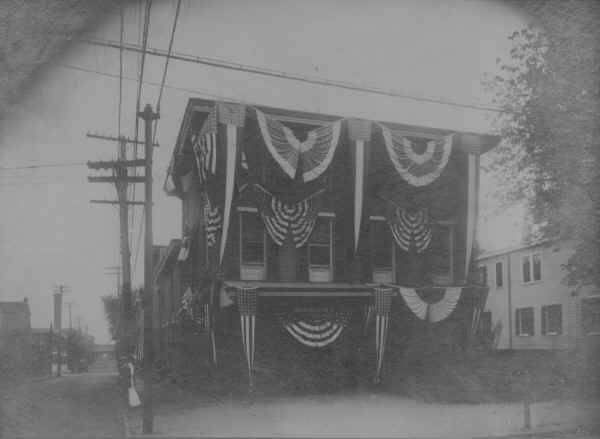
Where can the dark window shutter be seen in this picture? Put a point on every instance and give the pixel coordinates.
(545, 318)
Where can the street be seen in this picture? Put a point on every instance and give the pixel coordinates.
(82, 405)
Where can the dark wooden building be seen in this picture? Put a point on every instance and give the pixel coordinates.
(310, 220)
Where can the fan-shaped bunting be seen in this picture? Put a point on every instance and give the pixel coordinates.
(280, 218)
(315, 153)
(411, 229)
(432, 312)
(316, 331)
(417, 169)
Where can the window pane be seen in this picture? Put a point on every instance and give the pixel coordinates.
(253, 253)
(499, 274)
(319, 255)
(537, 267)
(252, 241)
(252, 227)
(555, 319)
(483, 275)
(320, 233)
(382, 244)
(526, 269)
(524, 321)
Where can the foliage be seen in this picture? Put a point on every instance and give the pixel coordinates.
(550, 91)
(112, 312)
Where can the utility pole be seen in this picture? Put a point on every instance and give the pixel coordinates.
(147, 418)
(58, 296)
(121, 179)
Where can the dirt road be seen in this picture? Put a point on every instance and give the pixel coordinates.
(82, 405)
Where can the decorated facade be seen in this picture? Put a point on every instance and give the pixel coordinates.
(310, 220)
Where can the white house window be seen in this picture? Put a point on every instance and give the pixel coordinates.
(591, 316)
(485, 324)
(320, 251)
(524, 321)
(483, 278)
(552, 319)
(252, 246)
(382, 251)
(499, 275)
(532, 267)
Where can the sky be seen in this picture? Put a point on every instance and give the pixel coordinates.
(50, 234)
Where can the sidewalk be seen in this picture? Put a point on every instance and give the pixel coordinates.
(370, 415)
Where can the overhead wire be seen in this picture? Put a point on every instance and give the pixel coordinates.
(145, 32)
(160, 94)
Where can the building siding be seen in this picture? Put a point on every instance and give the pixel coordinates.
(549, 290)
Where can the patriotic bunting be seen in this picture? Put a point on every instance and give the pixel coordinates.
(359, 132)
(473, 166)
(432, 312)
(382, 303)
(247, 303)
(212, 223)
(280, 217)
(184, 251)
(314, 154)
(315, 332)
(411, 230)
(417, 169)
(232, 116)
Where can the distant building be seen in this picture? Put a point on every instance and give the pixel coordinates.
(104, 351)
(41, 346)
(15, 335)
(529, 306)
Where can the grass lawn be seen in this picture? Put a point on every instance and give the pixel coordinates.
(424, 367)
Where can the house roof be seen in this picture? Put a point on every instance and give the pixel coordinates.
(11, 307)
(465, 141)
(513, 249)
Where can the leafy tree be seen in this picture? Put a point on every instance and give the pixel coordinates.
(112, 312)
(550, 89)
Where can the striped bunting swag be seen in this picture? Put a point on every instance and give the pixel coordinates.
(432, 312)
(411, 229)
(212, 223)
(247, 303)
(382, 303)
(204, 145)
(417, 169)
(279, 217)
(316, 332)
(315, 153)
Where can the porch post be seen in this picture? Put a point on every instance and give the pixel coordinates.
(247, 304)
(382, 298)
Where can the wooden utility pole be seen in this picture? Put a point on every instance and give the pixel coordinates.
(121, 179)
(58, 304)
(147, 422)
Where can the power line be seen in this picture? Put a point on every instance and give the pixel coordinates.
(231, 65)
(139, 92)
(42, 165)
(164, 77)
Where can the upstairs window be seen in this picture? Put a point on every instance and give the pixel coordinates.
(483, 278)
(524, 321)
(499, 275)
(252, 246)
(319, 251)
(552, 319)
(532, 267)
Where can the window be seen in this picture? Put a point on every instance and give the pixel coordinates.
(524, 321)
(499, 275)
(319, 251)
(552, 319)
(252, 246)
(485, 324)
(591, 316)
(483, 275)
(382, 251)
(532, 267)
